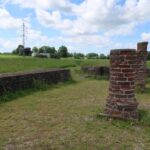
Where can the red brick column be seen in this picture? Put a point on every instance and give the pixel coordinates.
(141, 64)
(121, 102)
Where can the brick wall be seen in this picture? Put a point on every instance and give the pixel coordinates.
(96, 70)
(121, 102)
(104, 71)
(16, 81)
(141, 64)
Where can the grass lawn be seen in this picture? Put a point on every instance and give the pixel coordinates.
(64, 117)
(13, 63)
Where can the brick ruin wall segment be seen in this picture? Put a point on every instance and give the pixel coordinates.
(141, 64)
(121, 102)
(23, 80)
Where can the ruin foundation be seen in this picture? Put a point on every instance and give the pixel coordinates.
(23, 80)
(141, 65)
(121, 102)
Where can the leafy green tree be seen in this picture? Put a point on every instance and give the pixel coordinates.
(15, 52)
(63, 51)
(102, 56)
(42, 49)
(27, 51)
(55, 55)
(35, 49)
(108, 56)
(92, 55)
(148, 56)
(19, 50)
(78, 55)
(51, 50)
(70, 55)
(47, 49)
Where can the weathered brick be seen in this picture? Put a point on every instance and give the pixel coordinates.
(141, 64)
(17, 81)
(121, 99)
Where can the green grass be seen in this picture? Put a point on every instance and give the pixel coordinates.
(65, 116)
(12, 63)
(148, 64)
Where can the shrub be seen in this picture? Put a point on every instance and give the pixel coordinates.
(92, 56)
(78, 55)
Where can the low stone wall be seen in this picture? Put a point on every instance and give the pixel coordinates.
(22, 80)
(101, 70)
(96, 70)
(148, 72)
(141, 71)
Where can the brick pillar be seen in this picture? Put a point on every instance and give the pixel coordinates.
(121, 102)
(141, 64)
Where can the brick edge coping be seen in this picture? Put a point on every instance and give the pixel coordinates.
(21, 73)
(122, 51)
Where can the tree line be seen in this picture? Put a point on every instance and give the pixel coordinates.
(62, 52)
(42, 51)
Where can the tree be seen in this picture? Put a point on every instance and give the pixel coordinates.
(19, 50)
(70, 55)
(35, 49)
(42, 49)
(78, 55)
(102, 56)
(55, 55)
(15, 52)
(108, 56)
(51, 50)
(63, 51)
(27, 51)
(92, 55)
(47, 49)
(148, 56)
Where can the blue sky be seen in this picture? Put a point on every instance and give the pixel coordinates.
(82, 25)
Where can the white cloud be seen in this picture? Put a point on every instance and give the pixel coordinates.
(137, 10)
(7, 21)
(93, 16)
(91, 23)
(145, 36)
(123, 30)
(35, 37)
(8, 45)
(3, 3)
(53, 19)
(63, 5)
(90, 16)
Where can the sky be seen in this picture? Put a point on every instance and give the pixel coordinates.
(82, 25)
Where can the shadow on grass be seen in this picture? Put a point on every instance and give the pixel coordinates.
(146, 90)
(85, 75)
(144, 120)
(142, 91)
(38, 86)
(98, 77)
(144, 117)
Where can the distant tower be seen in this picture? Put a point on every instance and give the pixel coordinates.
(23, 33)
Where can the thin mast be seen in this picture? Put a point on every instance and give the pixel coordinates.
(23, 34)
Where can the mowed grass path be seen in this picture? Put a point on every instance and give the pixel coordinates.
(12, 63)
(65, 117)
(18, 63)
